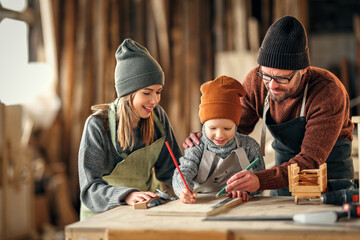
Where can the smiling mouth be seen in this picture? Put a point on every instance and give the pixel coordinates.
(148, 109)
(219, 141)
(276, 91)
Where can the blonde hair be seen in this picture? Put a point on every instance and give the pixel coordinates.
(126, 116)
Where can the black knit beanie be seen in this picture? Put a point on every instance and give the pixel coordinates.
(285, 45)
(135, 68)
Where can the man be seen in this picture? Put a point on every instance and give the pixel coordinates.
(305, 108)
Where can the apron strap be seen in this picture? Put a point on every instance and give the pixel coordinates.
(243, 159)
(112, 126)
(159, 125)
(263, 129)
(302, 111)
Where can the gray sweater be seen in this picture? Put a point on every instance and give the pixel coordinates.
(189, 163)
(98, 157)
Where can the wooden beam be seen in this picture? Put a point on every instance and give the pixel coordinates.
(29, 15)
(67, 74)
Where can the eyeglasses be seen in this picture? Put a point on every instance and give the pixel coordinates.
(280, 80)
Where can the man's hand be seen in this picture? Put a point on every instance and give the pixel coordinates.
(187, 196)
(193, 138)
(243, 181)
(135, 197)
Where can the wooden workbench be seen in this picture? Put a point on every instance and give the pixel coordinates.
(126, 223)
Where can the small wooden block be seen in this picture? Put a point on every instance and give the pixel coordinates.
(141, 205)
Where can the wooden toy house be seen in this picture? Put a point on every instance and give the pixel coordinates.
(307, 183)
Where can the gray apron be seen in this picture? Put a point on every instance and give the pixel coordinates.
(288, 137)
(214, 171)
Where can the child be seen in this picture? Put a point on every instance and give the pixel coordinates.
(222, 151)
(123, 142)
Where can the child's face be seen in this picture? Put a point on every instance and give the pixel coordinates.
(220, 131)
(146, 99)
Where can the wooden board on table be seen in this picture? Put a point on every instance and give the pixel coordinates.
(202, 208)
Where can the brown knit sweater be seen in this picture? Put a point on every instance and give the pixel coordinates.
(326, 112)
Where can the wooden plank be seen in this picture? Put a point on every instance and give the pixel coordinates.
(113, 234)
(309, 171)
(116, 10)
(203, 207)
(298, 188)
(67, 77)
(85, 234)
(253, 32)
(193, 63)
(306, 194)
(241, 24)
(101, 37)
(178, 81)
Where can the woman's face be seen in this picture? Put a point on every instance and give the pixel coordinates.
(146, 99)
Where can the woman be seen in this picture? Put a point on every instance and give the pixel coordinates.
(122, 145)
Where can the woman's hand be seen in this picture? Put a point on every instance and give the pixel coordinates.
(187, 196)
(135, 197)
(239, 194)
(193, 138)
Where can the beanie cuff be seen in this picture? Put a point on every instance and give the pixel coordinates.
(284, 61)
(133, 84)
(220, 110)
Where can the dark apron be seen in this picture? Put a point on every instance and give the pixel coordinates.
(288, 137)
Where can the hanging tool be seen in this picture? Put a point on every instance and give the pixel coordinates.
(339, 197)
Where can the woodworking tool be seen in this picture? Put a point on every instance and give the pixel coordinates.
(162, 197)
(353, 209)
(155, 202)
(222, 203)
(339, 197)
(165, 196)
(247, 168)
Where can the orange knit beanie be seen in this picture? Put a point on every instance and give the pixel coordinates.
(221, 99)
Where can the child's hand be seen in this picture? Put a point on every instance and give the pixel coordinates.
(239, 194)
(187, 196)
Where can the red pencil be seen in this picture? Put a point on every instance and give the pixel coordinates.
(177, 166)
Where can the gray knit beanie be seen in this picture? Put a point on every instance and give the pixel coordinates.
(285, 45)
(135, 68)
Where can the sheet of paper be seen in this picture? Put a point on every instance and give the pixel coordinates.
(202, 208)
